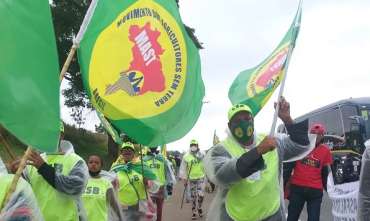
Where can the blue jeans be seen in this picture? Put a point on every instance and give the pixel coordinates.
(298, 196)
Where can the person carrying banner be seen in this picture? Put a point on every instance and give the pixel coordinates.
(133, 184)
(246, 167)
(22, 205)
(58, 179)
(309, 179)
(165, 177)
(193, 174)
(363, 212)
(99, 198)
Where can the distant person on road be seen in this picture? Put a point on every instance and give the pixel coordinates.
(246, 167)
(160, 166)
(363, 213)
(310, 178)
(193, 174)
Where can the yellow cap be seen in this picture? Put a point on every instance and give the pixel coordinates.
(237, 108)
(128, 145)
(193, 142)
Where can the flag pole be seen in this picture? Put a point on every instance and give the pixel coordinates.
(290, 52)
(281, 90)
(67, 63)
(16, 177)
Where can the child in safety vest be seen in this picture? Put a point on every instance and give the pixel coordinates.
(165, 176)
(193, 174)
(133, 183)
(99, 198)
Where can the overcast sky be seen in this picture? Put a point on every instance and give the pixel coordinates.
(330, 61)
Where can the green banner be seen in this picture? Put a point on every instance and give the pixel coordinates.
(141, 69)
(29, 71)
(255, 86)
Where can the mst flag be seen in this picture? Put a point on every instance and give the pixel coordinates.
(255, 86)
(29, 71)
(141, 69)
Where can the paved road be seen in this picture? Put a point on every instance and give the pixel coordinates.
(172, 211)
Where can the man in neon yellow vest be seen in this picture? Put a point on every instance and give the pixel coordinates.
(58, 180)
(247, 167)
(132, 185)
(193, 174)
(161, 168)
(22, 204)
(99, 198)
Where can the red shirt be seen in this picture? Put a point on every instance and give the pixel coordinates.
(307, 172)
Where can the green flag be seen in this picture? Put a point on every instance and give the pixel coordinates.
(109, 128)
(141, 69)
(29, 85)
(255, 86)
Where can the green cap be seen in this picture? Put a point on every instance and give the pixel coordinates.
(128, 145)
(237, 108)
(61, 127)
(193, 142)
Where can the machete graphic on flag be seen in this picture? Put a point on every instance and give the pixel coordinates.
(255, 86)
(141, 69)
(29, 71)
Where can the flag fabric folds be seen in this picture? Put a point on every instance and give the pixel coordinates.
(255, 86)
(141, 69)
(29, 72)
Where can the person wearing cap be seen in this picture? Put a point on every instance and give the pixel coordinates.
(165, 177)
(363, 211)
(193, 174)
(246, 167)
(309, 178)
(99, 197)
(133, 182)
(58, 180)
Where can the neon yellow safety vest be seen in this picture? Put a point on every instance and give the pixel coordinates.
(5, 181)
(157, 167)
(54, 204)
(128, 183)
(196, 166)
(95, 199)
(251, 200)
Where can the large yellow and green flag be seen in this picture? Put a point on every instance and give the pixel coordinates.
(141, 69)
(255, 86)
(29, 85)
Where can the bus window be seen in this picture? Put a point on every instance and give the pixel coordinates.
(330, 119)
(365, 114)
(352, 128)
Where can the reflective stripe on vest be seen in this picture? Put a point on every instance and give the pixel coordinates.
(126, 192)
(251, 200)
(157, 167)
(95, 199)
(54, 204)
(196, 165)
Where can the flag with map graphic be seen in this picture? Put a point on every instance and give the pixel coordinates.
(141, 69)
(255, 86)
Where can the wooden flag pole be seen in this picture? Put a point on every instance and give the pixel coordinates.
(16, 177)
(67, 63)
(7, 147)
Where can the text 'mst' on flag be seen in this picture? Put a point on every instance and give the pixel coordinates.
(29, 73)
(141, 69)
(255, 86)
